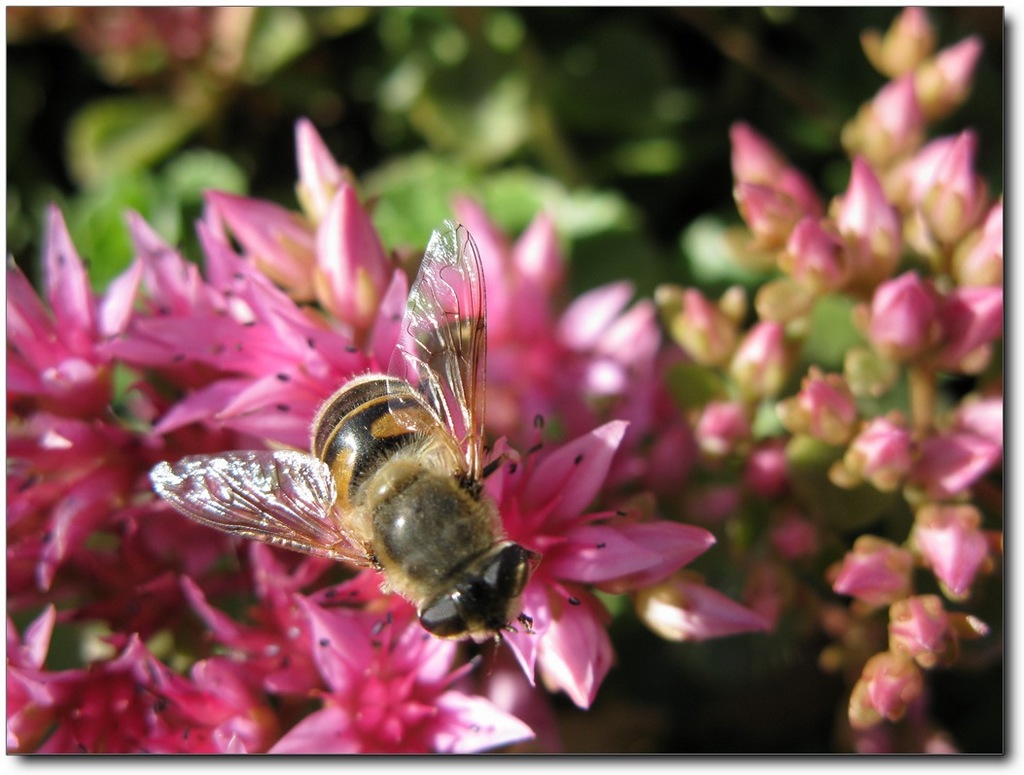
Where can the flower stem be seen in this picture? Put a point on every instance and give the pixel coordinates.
(921, 382)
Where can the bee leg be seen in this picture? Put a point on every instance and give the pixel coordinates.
(527, 622)
(494, 465)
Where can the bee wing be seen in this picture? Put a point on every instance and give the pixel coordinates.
(285, 498)
(442, 346)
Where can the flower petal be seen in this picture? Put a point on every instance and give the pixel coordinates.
(468, 724)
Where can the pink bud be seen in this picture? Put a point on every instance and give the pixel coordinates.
(320, 176)
(769, 214)
(950, 540)
(956, 198)
(888, 127)
(353, 270)
(972, 319)
(870, 225)
(754, 159)
(909, 39)
(765, 472)
(706, 333)
(949, 464)
(919, 629)
(903, 321)
(876, 572)
(982, 417)
(760, 364)
(887, 686)
(944, 83)
(978, 259)
(681, 609)
(722, 428)
(880, 454)
(814, 257)
(824, 408)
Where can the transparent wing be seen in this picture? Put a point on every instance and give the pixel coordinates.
(285, 498)
(441, 349)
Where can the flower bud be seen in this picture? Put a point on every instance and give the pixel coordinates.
(683, 609)
(903, 322)
(823, 409)
(949, 539)
(870, 226)
(909, 39)
(722, 428)
(888, 127)
(706, 333)
(794, 536)
(949, 464)
(880, 455)
(887, 686)
(320, 176)
(944, 82)
(956, 198)
(765, 472)
(919, 629)
(783, 300)
(760, 365)
(971, 320)
(978, 259)
(814, 257)
(876, 572)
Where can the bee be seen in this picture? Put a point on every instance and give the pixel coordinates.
(395, 478)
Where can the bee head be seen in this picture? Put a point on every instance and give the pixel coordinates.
(483, 594)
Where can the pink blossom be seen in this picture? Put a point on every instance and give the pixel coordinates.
(903, 322)
(888, 127)
(919, 628)
(765, 471)
(972, 320)
(881, 453)
(957, 197)
(55, 358)
(950, 540)
(722, 428)
(909, 39)
(978, 259)
(681, 609)
(876, 572)
(815, 257)
(701, 328)
(30, 699)
(982, 417)
(320, 176)
(795, 536)
(391, 688)
(950, 463)
(542, 499)
(870, 226)
(945, 81)
(824, 408)
(760, 364)
(757, 161)
(888, 684)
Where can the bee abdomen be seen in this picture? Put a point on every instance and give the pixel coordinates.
(363, 425)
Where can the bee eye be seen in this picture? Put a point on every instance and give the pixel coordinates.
(442, 618)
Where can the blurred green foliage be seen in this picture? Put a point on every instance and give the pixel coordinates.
(614, 120)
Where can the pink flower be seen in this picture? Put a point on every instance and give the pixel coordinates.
(888, 685)
(814, 257)
(957, 197)
(701, 328)
(391, 688)
(30, 699)
(870, 226)
(542, 499)
(978, 259)
(888, 127)
(760, 364)
(876, 572)
(982, 417)
(320, 176)
(722, 428)
(823, 409)
(681, 609)
(903, 322)
(972, 320)
(919, 628)
(765, 473)
(944, 82)
(950, 540)
(909, 39)
(55, 359)
(950, 463)
(794, 536)
(881, 454)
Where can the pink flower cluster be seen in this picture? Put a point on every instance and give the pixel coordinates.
(171, 361)
(911, 426)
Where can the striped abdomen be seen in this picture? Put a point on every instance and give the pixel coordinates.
(364, 424)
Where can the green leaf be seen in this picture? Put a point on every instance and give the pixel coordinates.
(124, 135)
